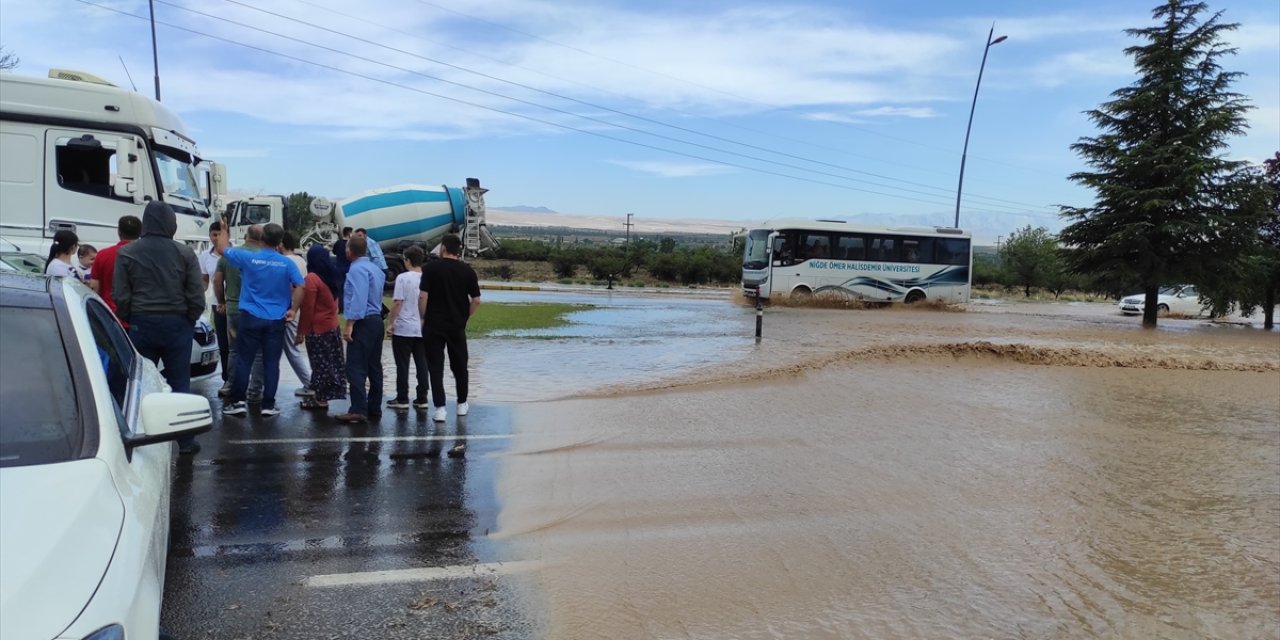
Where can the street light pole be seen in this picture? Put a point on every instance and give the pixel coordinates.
(155, 57)
(964, 155)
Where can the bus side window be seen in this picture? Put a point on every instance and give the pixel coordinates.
(852, 248)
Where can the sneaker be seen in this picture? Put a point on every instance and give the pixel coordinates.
(421, 405)
(270, 412)
(463, 408)
(439, 415)
(304, 392)
(351, 418)
(235, 409)
(396, 403)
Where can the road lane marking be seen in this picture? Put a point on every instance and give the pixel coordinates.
(424, 574)
(487, 436)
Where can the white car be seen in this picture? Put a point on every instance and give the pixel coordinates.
(86, 446)
(1182, 298)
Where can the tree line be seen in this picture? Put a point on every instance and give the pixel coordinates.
(662, 259)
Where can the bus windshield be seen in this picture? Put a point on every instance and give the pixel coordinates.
(756, 253)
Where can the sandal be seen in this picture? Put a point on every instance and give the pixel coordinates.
(313, 405)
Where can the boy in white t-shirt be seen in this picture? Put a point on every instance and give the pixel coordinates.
(404, 325)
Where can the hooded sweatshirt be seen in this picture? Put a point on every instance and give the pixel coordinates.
(155, 274)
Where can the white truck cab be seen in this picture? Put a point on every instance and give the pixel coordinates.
(77, 152)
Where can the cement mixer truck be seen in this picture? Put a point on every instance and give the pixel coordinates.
(406, 215)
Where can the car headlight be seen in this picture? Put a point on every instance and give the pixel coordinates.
(113, 632)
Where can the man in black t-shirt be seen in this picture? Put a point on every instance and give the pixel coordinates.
(450, 293)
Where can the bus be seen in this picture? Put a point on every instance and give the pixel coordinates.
(799, 258)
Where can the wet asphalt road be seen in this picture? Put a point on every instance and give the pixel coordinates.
(277, 521)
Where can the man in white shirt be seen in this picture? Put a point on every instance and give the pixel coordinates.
(405, 329)
(209, 257)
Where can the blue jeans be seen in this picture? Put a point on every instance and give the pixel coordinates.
(258, 337)
(364, 361)
(166, 339)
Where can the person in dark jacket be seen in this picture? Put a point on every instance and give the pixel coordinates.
(158, 290)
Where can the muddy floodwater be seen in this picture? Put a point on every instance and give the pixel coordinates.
(1012, 471)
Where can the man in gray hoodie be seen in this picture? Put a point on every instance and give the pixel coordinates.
(158, 290)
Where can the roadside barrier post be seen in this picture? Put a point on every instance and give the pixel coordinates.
(759, 315)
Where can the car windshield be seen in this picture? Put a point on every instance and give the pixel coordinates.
(40, 423)
(1169, 291)
(23, 262)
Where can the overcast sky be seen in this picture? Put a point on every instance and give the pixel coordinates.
(662, 108)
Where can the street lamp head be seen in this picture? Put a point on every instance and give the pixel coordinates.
(998, 40)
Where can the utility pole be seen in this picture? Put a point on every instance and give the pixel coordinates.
(155, 57)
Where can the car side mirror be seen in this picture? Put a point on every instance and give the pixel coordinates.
(170, 416)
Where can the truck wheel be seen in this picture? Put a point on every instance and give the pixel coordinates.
(395, 267)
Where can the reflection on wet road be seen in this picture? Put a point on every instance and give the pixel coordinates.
(650, 471)
(270, 506)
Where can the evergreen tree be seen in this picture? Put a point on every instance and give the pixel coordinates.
(1252, 281)
(1168, 208)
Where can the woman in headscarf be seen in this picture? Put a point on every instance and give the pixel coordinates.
(318, 327)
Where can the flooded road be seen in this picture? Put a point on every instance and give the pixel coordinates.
(995, 473)
(651, 471)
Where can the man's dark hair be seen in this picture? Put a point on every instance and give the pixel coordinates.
(346, 231)
(415, 255)
(272, 234)
(362, 230)
(452, 243)
(289, 241)
(216, 226)
(129, 227)
(358, 247)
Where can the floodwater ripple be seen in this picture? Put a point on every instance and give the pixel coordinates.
(904, 474)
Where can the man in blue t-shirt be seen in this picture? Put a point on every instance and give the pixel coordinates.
(270, 294)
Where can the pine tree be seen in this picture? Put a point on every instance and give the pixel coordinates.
(1168, 204)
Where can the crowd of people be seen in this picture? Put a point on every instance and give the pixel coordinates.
(273, 303)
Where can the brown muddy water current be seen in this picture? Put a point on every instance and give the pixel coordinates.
(1004, 472)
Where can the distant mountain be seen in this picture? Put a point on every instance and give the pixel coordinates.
(524, 209)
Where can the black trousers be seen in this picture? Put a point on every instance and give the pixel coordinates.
(220, 328)
(402, 347)
(437, 343)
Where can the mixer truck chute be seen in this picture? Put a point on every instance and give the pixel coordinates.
(406, 215)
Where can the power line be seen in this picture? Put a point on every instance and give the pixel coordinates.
(497, 110)
(543, 106)
(501, 111)
(945, 190)
(702, 86)
(732, 125)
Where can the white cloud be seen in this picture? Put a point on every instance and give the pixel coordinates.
(673, 169)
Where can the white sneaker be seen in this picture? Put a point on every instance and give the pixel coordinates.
(439, 415)
(463, 408)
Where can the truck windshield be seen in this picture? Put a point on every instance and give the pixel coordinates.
(178, 178)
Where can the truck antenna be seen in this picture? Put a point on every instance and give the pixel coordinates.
(126, 72)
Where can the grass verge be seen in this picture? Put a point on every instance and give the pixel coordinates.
(492, 317)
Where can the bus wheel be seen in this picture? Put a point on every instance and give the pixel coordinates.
(802, 294)
(914, 297)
